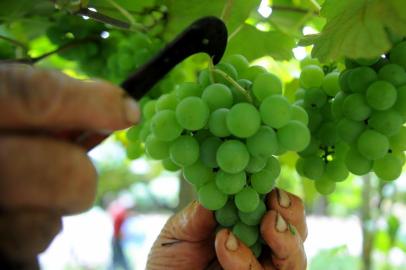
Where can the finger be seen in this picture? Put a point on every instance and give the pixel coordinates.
(45, 173)
(34, 98)
(194, 223)
(233, 254)
(290, 207)
(25, 234)
(284, 241)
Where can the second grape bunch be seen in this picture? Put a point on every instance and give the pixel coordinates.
(225, 132)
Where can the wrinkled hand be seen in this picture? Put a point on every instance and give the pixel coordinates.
(43, 176)
(188, 240)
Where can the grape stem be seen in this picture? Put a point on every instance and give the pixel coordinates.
(234, 83)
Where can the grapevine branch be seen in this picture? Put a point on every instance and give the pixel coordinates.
(102, 18)
(234, 83)
(14, 42)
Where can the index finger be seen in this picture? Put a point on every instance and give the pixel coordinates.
(32, 98)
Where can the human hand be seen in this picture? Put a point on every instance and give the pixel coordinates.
(186, 241)
(42, 175)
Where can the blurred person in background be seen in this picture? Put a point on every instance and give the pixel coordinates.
(45, 174)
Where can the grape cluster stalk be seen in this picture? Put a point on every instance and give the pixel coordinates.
(225, 132)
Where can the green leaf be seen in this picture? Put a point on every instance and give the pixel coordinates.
(253, 44)
(184, 12)
(359, 28)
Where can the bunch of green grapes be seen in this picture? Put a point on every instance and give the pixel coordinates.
(224, 133)
(323, 159)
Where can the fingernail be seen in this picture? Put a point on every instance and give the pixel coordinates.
(232, 242)
(281, 225)
(283, 198)
(131, 110)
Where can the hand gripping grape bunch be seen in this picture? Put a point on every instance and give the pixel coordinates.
(356, 119)
(224, 132)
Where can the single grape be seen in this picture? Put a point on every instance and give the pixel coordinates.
(217, 96)
(148, 111)
(165, 126)
(275, 111)
(372, 144)
(331, 84)
(166, 102)
(184, 151)
(398, 54)
(388, 168)
(243, 120)
(252, 72)
(349, 130)
(314, 98)
(337, 105)
(169, 165)
(230, 183)
(343, 81)
(336, 170)
(254, 217)
(247, 199)
(188, 89)
(265, 85)
(192, 113)
(311, 76)
(386, 122)
(400, 104)
(218, 123)
(357, 163)
(211, 197)
(356, 108)
(227, 216)
(134, 150)
(264, 181)
(256, 164)
(393, 74)
(208, 151)
(299, 114)
(256, 249)
(247, 234)
(264, 143)
(315, 119)
(238, 61)
(360, 78)
(381, 95)
(155, 148)
(398, 141)
(133, 133)
(198, 174)
(294, 136)
(325, 186)
(313, 167)
(312, 148)
(232, 156)
(204, 78)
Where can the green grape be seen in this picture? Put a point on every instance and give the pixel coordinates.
(166, 102)
(256, 164)
(299, 114)
(367, 62)
(208, 151)
(188, 89)
(343, 81)
(133, 133)
(400, 104)
(204, 78)
(247, 234)
(313, 167)
(134, 150)
(230, 183)
(349, 130)
(168, 165)
(336, 170)
(360, 78)
(243, 120)
(340, 150)
(372, 144)
(253, 218)
(315, 119)
(232, 156)
(311, 76)
(198, 174)
(398, 54)
(218, 124)
(299, 166)
(307, 61)
(252, 72)
(256, 249)
(275, 111)
(247, 199)
(192, 113)
(264, 181)
(388, 168)
(331, 84)
(357, 163)
(227, 216)
(217, 96)
(312, 148)
(327, 134)
(393, 74)
(155, 148)
(327, 111)
(148, 111)
(265, 85)
(238, 61)
(386, 122)
(145, 130)
(165, 126)
(314, 98)
(325, 186)
(211, 197)
(294, 136)
(264, 143)
(337, 105)
(226, 68)
(381, 95)
(184, 151)
(398, 141)
(356, 108)
(299, 95)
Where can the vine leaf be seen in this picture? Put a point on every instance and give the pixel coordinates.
(358, 28)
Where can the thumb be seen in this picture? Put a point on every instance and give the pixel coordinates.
(233, 254)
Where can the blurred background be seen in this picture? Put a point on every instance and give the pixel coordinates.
(362, 225)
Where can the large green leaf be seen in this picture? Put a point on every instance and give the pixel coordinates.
(253, 44)
(359, 28)
(183, 12)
